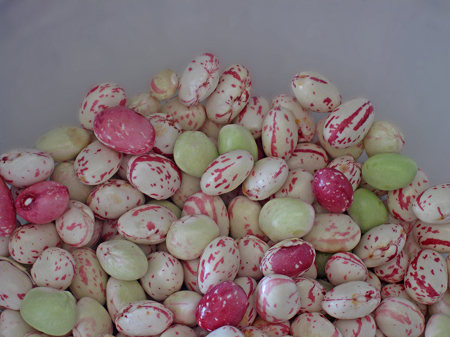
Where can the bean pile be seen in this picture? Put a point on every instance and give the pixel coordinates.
(197, 209)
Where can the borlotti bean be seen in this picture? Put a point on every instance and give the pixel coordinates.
(190, 118)
(279, 133)
(239, 204)
(349, 123)
(315, 92)
(231, 94)
(25, 167)
(303, 117)
(124, 130)
(226, 172)
(97, 99)
(252, 116)
(199, 79)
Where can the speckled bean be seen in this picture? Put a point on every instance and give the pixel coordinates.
(311, 294)
(96, 163)
(144, 104)
(345, 267)
(28, 241)
(189, 118)
(349, 167)
(92, 319)
(251, 251)
(249, 285)
(219, 262)
(99, 98)
(395, 270)
(55, 268)
(13, 325)
(332, 233)
(167, 131)
(349, 123)
(432, 205)
(315, 92)
(164, 85)
(76, 225)
(244, 218)
(164, 276)
(399, 317)
(298, 185)
(24, 167)
(381, 244)
(351, 300)
(437, 325)
(119, 293)
(199, 79)
(358, 327)
(313, 324)
(143, 318)
(154, 175)
(15, 282)
(252, 116)
(308, 156)
(90, 278)
(303, 117)
(226, 331)
(383, 137)
(231, 94)
(64, 173)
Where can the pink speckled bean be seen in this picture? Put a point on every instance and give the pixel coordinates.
(433, 205)
(311, 294)
(348, 124)
(313, 324)
(226, 331)
(251, 251)
(399, 290)
(272, 329)
(164, 276)
(303, 118)
(277, 298)
(381, 244)
(351, 300)
(219, 262)
(441, 306)
(76, 225)
(438, 325)
(400, 201)
(96, 163)
(183, 305)
(54, 268)
(146, 224)
(154, 175)
(99, 98)
(290, 257)
(251, 331)
(244, 218)
(7, 210)
(394, 271)
(315, 92)
(373, 280)
(349, 167)
(426, 279)
(42, 202)
(199, 79)
(267, 177)
(308, 156)
(230, 96)
(224, 304)
(27, 242)
(332, 190)
(298, 185)
(144, 104)
(332, 233)
(345, 267)
(90, 278)
(189, 118)
(92, 319)
(113, 198)
(399, 317)
(164, 85)
(355, 151)
(124, 130)
(15, 283)
(143, 318)
(64, 173)
(212, 206)
(252, 116)
(358, 327)
(167, 131)
(226, 172)
(179, 330)
(279, 133)
(431, 236)
(25, 167)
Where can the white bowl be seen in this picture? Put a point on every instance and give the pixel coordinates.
(397, 54)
